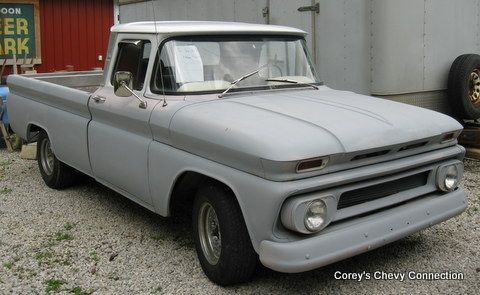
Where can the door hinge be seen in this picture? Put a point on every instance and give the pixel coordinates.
(315, 8)
(265, 12)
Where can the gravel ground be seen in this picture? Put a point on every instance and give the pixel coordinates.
(88, 239)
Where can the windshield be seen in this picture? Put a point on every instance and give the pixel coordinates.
(211, 64)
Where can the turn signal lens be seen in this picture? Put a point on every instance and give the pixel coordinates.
(450, 136)
(312, 165)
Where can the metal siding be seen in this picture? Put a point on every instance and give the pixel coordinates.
(330, 31)
(215, 10)
(357, 73)
(250, 11)
(74, 32)
(382, 47)
(82, 35)
(143, 11)
(221, 10)
(448, 37)
(397, 46)
(434, 100)
(284, 12)
(343, 44)
(90, 31)
(64, 16)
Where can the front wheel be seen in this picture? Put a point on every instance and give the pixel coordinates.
(55, 173)
(221, 238)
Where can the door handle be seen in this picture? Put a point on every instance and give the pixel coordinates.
(315, 8)
(99, 99)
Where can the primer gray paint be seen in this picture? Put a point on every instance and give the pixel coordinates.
(251, 142)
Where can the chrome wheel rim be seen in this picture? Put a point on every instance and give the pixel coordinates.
(47, 158)
(209, 233)
(474, 82)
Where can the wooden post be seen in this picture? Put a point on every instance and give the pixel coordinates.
(6, 137)
(15, 70)
(3, 67)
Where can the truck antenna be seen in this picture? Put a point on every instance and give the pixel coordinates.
(158, 54)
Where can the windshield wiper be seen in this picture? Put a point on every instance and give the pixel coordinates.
(232, 84)
(292, 81)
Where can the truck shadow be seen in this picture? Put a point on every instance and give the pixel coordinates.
(152, 226)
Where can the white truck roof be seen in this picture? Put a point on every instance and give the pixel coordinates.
(203, 27)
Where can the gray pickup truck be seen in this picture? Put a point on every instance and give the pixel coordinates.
(230, 121)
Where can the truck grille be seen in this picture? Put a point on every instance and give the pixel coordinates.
(374, 192)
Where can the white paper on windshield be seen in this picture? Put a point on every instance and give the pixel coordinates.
(188, 64)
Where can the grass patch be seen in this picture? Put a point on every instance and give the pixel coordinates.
(78, 291)
(42, 256)
(49, 257)
(5, 163)
(113, 276)
(63, 236)
(94, 256)
(68, 226)
(53, 285)
(8, 264)
(5, 190)
(157, 290)
(472, 210)
(22, 272)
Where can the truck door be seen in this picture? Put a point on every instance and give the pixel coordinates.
(119, 134)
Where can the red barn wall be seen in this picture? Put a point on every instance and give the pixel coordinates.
(74, 32)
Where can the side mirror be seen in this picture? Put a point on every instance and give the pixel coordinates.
(122, 86)
(121, 80)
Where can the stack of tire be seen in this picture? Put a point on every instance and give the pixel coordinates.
(464, 87)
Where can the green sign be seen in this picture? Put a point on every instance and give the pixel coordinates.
(17, 30)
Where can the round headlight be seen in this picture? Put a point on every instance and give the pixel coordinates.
(451, 177)
(315, 215)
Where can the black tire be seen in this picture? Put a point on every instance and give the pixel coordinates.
(237, 260)
(60, 175)
(460, 87)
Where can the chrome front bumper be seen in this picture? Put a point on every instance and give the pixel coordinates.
(359, 235)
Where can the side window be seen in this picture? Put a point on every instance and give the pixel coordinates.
(133, 57)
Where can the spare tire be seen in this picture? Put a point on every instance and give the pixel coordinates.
(464, 86)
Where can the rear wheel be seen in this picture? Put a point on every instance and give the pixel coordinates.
(55, 173)
(221, 238)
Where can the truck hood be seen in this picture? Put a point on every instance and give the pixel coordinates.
(292, 125)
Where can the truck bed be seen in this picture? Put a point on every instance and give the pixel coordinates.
(87, 81)
(58, 103)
